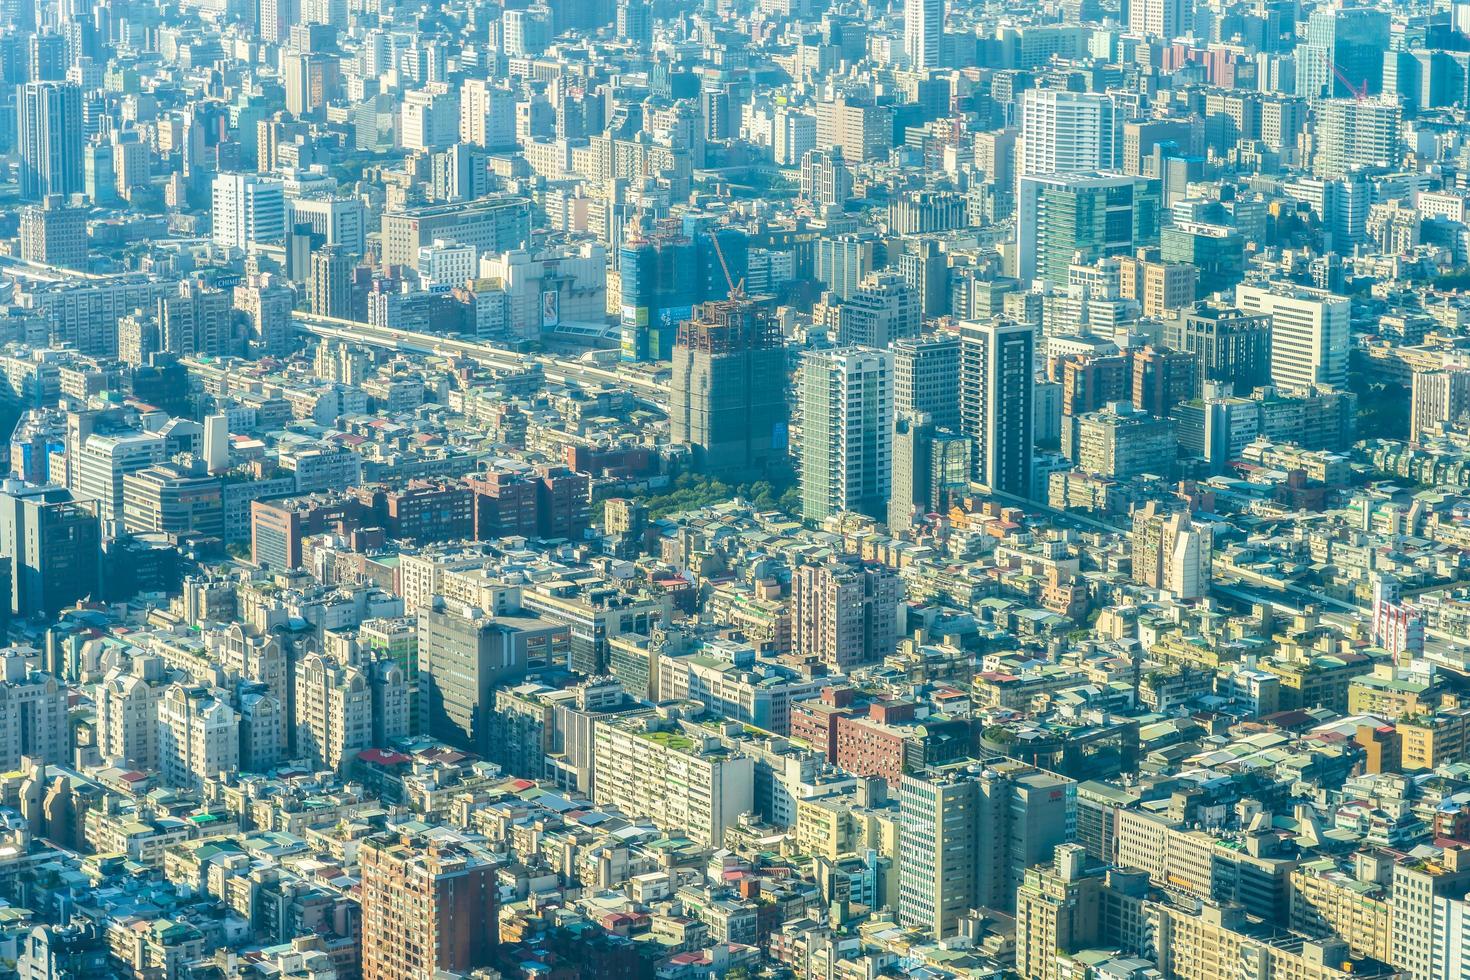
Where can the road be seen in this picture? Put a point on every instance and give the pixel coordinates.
(648, 391)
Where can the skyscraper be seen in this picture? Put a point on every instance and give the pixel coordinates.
(1344, 51)
(996, 395)
(1078, 218)
(846, 398)
(727, 396)
(1309, 333)
(1439, 397)
(923, 32)
(329, 284)
(931, 466)
(49, 123)
(1232, 347)
(1067, 132)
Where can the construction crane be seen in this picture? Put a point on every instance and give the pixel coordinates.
(1359, 92)
(737, 290)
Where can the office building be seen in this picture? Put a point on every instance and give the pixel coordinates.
(1120, 442)
(967, 835)
(1078, 218)
(635, 22)
(1067, 132)
(996, 403)
(174, 500)
(1343, 52)
(1356, 133)
(496, 224)
(339, 221)
(329, 283)
(931, 470)
(846, 402)
(794, 136)
(843, 262)
(463, 655)
(1164, 19)
(1231, 347)
(826, 180)
(52, 233)
(428, 906)
(844, 613)
(682, 779)
(1309, 333)
(727, 395)
(926, 378)
(248, 210)
(52, 544)
(49, 130)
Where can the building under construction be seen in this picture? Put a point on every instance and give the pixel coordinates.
(728, 393)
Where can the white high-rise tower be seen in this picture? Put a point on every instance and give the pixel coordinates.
(923, 32)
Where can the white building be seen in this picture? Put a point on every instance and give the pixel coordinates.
(339, 221)
(198, 736)
(487, 114)
(923, 32)
(681, 781)
(1439, 397)
(127, 714)
(793, 134)
(1067, 132)
(846, 398)
(1166, 19)
(33, 713)
(334, 712)
(429, 119)
(444, 265)
(1309, 333)
(552, 285)
(247, 210)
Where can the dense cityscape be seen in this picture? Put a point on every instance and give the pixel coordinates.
(792, 489)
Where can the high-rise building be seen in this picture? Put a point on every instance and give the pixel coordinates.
(1071, 905)
(33, 713)
(1067, 132)
(1231, 347)
(1077, 218)
(846, 400)
(967, 835)
(845, 613)
(727, 394)
(329, 283)
(1439, 397)
(194, 319)
(1162, 378)
(266, 303)
(1120, 442)
(334, 711)
(463, 655)
(1422, 891)
(496, 224)
(931, 468)
(1166, 19)
(1171, 553)
(883, 308)
(1354, 133)
(49, 125)
(1343, 52)
(923, 33)
(127, 713)
(635, 22)
(926, 378)
(1309, 333)
(54, 234)
(340, 221)
(794, 134)
(996, 375)
(689, 783)
(175, 500)
(198, 736)
(826, 180)
(428, 906)
(52, 544)
(248, 210)
(843, 262)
